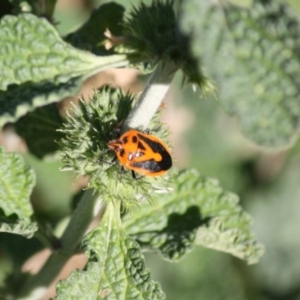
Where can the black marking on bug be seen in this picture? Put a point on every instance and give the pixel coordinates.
(122, 152)
(134, 139)
(141, 146)
(125, 140)
(151, 165)
(133, 175)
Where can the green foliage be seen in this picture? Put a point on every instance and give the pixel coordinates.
(197, 212)
(24, 6)
(55, 69)
(149, 29)
(36, 7)
(255, 60)
(272, 69)
(52, 58)
(39, 129)
(90, 36)
(116, 268)
(88, 128)
(17, 181)
(152, 35)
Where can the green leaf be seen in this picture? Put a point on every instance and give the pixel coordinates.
(91, 35)
(197, 212)
(116, 268)
(45, 68)
(17, 100)
(33, 51)
(255, 62)
(39, 129)
(17, 181)
(18, 226)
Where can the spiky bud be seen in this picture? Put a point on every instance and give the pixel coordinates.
(88, 128)
(152, 35)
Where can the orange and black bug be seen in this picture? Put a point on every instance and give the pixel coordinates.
(142, 153)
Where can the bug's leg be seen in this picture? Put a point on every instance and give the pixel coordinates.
(133, 175)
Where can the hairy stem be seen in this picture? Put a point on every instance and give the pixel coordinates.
(37, 285)
(151, 97)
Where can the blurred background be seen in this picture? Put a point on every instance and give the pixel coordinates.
(203, 137)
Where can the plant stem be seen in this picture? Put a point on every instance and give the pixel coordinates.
(151, 97)
(37, 285)
(46, 238)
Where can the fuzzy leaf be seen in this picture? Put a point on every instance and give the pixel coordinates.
(39, 129)
(255, 61)
(91, 35)
(116, 268)
(44, 67)
(198, 212)
(17, 182)
(18, 226)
